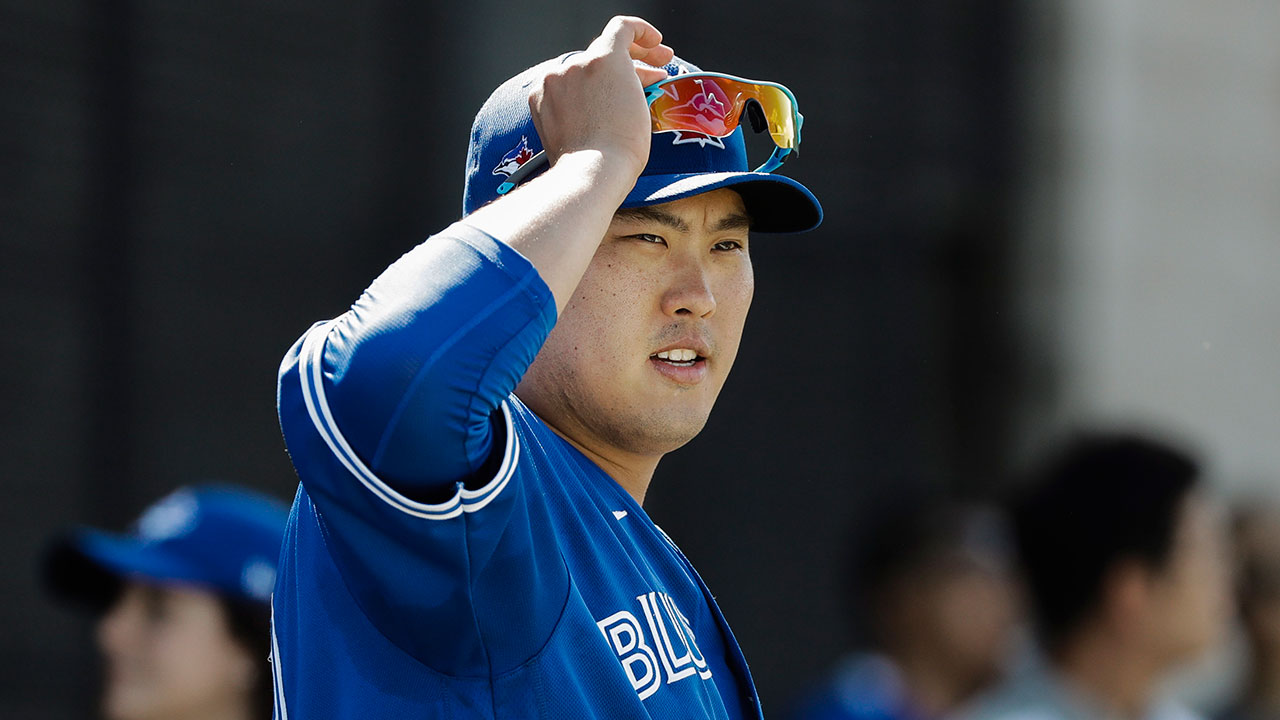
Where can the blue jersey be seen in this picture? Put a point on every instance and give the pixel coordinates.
(448, 555)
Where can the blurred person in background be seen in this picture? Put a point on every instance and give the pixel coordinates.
(184, 620)
(1257, 535)
(933, 587)
(1126, 563)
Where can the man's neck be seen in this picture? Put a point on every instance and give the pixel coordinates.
(1119, 678)
(632, 472)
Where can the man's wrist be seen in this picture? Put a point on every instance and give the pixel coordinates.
(596, 171)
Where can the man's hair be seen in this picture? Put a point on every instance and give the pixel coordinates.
(249, 623)
(1101, 500)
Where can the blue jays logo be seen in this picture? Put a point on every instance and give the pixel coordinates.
(707, 108)
(515, 157)
(172, 517)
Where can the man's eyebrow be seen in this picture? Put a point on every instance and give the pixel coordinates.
(652, 214)
(732, 221)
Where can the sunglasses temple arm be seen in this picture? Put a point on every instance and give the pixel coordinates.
(523, 172)
(775, 160)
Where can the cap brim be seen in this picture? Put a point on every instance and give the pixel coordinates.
(88, 565)
(776, 203)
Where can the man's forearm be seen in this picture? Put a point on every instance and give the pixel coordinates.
(558, 219)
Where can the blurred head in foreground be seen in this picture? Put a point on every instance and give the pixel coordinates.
(932, 587)
(1257, 535)
(183, 599)
(940, 600)
(1126, 564)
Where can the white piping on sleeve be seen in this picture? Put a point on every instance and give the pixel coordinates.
(277, 674)
(310, 373)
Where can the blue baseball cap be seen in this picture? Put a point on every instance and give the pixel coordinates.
(503, 136)
(220, 538)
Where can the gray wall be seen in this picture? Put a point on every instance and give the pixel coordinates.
(1154, 188)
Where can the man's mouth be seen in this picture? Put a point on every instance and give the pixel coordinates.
(679, 357)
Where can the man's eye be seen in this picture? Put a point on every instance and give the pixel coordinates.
(726, 245)
(650, 238)
(156, 606)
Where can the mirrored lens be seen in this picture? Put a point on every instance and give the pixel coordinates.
(779, 113)
(714, 106)
(710, 106)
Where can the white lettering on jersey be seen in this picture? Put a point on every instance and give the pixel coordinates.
(627, 639)
(673, 644)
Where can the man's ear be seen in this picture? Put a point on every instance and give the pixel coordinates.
(1126, 596)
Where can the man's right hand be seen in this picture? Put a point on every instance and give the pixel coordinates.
(595, 100)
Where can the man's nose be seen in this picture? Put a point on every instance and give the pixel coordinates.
(689, 292)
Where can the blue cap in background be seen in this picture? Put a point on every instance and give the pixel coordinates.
(503, 135)
(220, 538)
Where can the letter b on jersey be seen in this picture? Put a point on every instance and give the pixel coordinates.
(625, 635)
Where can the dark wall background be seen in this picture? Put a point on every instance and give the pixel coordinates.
(187, 186)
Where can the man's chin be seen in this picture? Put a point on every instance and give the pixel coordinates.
(666, 431)
(652, 422)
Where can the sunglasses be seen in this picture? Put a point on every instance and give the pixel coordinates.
(711, 104)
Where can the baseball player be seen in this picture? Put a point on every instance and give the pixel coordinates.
(181, 603)
(468, 539)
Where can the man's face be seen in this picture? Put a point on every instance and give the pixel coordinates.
(1190, 603)
(969, 616)
(638, 356)
(168, 652)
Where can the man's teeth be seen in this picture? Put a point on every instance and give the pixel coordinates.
(678, 355)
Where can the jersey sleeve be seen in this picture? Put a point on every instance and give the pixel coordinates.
(396, 421)
(421, 361)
